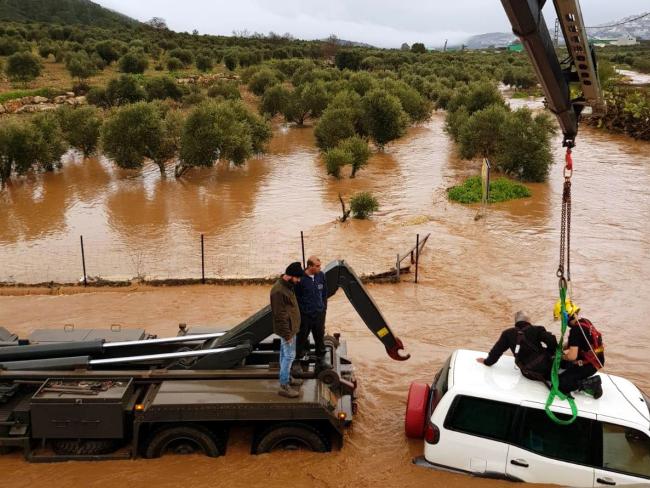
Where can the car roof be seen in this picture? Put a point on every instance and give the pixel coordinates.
(502, 381)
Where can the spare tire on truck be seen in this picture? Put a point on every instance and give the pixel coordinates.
(416, 410)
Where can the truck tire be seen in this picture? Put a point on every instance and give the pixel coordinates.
(184, 439)
(416, 410)
(290, 436)
(83, 447)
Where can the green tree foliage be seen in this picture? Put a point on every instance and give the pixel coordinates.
(335, 125)
(359, 152)
(383, 117)
(110, 50)
(231, 59)
(415, 105)
(45, 48)
(476, 96)
(335, 159)
(204, 62)
(141, 131)
(225, 131)
(480, 135)
(226, 89)
(363, 205)
(418, 48)
(519, 78)
(162, 87)
(263, 79)
(526, 149)
(174, 64)
(50, 143)
(80, 66)
(185, 55)
(134, 62)
(363, 82)
(81, 127)
(275, 100)
(348, 59)
(307, 100)
(628, 112)
(23, 67)
(123, 90)
(11, 45)
(18, 153)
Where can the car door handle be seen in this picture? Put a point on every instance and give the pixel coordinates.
(606, 481)
(519, 462)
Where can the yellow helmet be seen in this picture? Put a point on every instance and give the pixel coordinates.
(570, 307)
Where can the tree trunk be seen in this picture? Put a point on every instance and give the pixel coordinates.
(161, 166)
(180, 170)
(346, 213)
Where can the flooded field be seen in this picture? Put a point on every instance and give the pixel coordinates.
(474, 275)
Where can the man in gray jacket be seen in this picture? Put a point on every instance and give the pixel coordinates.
(286, 323)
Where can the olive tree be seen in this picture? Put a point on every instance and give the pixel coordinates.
(274, 100)
(383, 117)
(335, 125)
(80, 66)
(17, 149)
(359, 152)
(81, 127)
(363, 205)
(49, 144)
(23, 67)
(225, 131)
(140, 131)
(134, 62)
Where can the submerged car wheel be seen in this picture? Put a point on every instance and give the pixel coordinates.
(291, 437)
(416, 410)
(182, 439)
(83, 447)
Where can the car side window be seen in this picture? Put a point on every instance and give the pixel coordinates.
(626, 450)
(481, 417)
(571, 443)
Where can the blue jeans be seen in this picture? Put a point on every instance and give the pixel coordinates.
(287, 355)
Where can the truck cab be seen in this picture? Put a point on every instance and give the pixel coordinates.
(490, 422)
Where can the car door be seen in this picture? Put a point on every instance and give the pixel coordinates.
(474, 436)
(625, 454)
(545, 452)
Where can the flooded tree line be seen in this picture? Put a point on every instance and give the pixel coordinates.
(358, 99)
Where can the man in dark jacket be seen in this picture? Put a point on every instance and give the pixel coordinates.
(312, 300)
(532, 345)
(286, 323)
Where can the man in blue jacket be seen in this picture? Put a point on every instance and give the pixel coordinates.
(311, 293)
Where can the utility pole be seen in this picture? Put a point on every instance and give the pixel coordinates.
(444, 49)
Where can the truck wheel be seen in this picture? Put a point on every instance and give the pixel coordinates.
(83, 447)
(291, 437)
(416, 410)
(183, 439)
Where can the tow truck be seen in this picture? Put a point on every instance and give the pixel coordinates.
(121, 393)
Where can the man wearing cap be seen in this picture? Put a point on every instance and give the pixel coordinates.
(532, 345)
(286, 323)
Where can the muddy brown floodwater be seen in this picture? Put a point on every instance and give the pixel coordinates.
(474, 275)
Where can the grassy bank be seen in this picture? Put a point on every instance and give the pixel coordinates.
(501, 190)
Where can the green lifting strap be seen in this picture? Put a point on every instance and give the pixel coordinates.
(555, 380)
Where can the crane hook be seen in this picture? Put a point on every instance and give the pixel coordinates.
(394, 352)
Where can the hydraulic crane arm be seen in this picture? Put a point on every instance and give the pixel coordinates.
(529, 25)
(259, 326)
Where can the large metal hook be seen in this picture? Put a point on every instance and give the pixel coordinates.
(394, 352)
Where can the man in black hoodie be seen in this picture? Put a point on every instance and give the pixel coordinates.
(532, 346)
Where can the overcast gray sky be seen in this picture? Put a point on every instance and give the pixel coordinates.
(379, 22)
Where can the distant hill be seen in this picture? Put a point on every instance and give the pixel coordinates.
(62, 12)
(493, 39)
(639, 28)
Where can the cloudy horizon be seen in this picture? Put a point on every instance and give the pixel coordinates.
(380, 22)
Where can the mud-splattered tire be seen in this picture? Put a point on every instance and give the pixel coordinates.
(183, 439)
(84, 447)
(416, 410)
(290, 436)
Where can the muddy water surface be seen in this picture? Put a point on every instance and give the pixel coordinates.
(474, 275)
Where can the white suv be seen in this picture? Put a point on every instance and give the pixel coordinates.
(490, 421)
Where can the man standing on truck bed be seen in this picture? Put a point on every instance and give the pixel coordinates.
(286, 323)
(312, 300)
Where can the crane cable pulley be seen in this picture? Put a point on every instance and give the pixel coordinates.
(564, 277)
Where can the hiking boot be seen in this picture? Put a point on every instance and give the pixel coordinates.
(593, 386)
(287, 391)
(295, 381)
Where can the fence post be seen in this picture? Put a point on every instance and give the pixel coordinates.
(417, 255)
(202, 261)
(397, 270)
(83, 260)
(302, 243)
